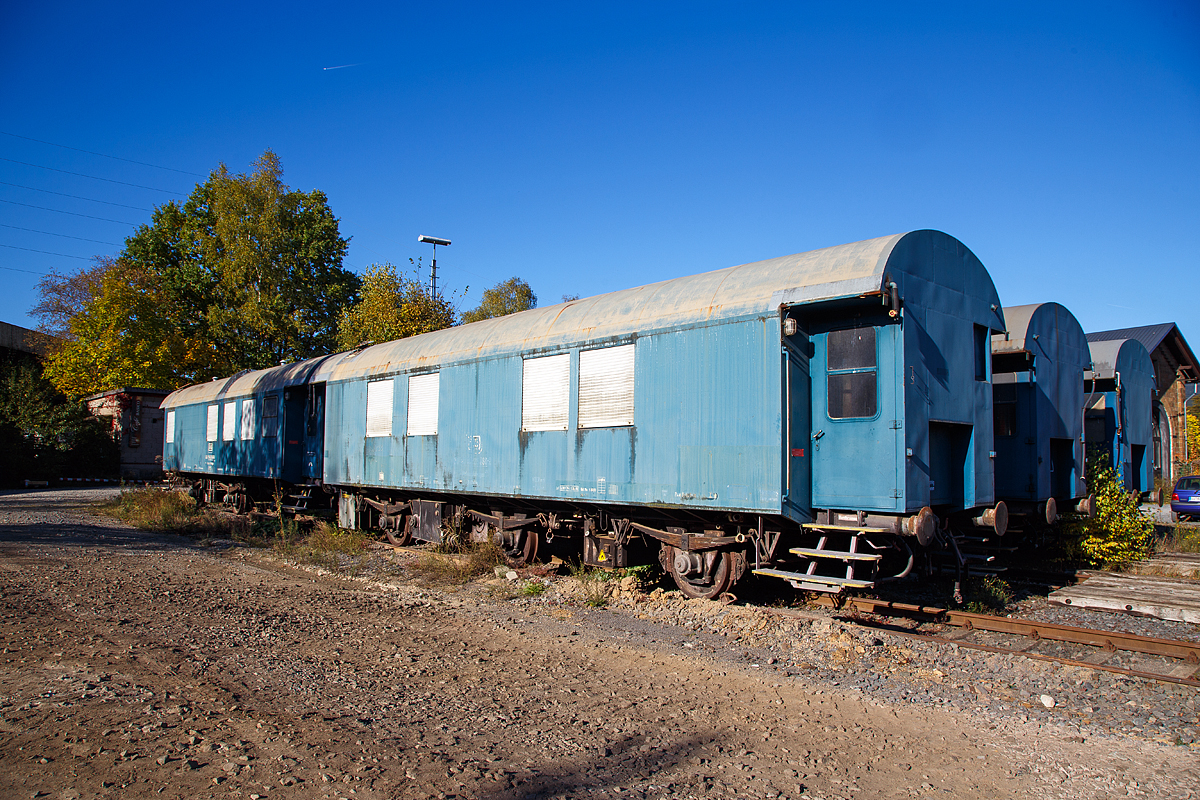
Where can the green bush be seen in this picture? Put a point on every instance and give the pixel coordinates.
(1119, 532)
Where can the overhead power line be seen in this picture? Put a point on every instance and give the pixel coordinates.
(31, 272)
(102, 155)
(93, 177)
(76, 196)
(43, 252)
(72, 213)
(63, 235)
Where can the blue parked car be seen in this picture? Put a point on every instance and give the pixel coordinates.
(1185, 500)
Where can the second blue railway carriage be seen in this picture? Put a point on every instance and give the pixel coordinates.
(1039, 366)
(839, 400)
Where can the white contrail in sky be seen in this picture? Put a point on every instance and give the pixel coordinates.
(343, 66)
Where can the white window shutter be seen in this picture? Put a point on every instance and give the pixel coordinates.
(379, 407)
(606, 387)
(170, 427)
(248, 418)
(423, 404)
(546, 393)
(229, 423)
(210, 432)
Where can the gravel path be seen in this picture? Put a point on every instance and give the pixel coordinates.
(145, 665)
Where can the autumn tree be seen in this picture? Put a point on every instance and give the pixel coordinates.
(391, 306)
(245, 274)
(507, 297)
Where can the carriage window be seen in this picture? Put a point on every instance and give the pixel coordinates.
(423, 404)
(229, 422)
(546, 393)
(983, 344)
(248, 419)
(210, 431)
(851, 380)
(606, 387)
(170, 427)
(379, 407)
(1004, 409)
(270, 417)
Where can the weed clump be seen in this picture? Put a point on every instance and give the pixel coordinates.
(1118, 533)
(461, 565)
(988, 596)
(173, 512)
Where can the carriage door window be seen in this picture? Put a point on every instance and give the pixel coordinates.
(1004, 409)
(851, 373)
(270, 417)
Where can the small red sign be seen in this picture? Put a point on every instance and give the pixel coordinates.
(797, 452)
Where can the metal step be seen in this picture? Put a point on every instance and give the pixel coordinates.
(840, 555)
(814, 583)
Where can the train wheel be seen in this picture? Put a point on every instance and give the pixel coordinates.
(704, 575)
(402, 537)
(525, 546)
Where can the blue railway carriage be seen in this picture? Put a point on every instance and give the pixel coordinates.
(837, 400)
(1038, 366)
(249, 436)
(1119, 398)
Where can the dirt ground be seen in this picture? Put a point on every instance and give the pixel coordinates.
(144, 665)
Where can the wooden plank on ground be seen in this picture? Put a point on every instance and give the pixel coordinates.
(1164, 598)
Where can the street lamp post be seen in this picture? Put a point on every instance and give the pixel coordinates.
(435, 241)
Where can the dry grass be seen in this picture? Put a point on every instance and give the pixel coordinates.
(175, 512)
(461, 567)
(1184, 538)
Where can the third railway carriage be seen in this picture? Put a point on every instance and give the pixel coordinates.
(815, 417)
(1038, 367)
(1119, 398)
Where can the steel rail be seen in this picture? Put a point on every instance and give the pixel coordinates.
(1133, 673)
(1108, 640)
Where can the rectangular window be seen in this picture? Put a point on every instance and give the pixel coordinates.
(1004, 409)
(379, 407)
(170, 427)
(210, 432)
(270, 417)
(606, 387)
(229, 422)
(546, 393)
(983, 344)
(248, 418)
(423, 404)
(851, 367)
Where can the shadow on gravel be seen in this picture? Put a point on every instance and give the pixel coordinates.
(84, 535)
(623, 764)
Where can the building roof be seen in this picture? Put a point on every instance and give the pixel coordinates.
(127, 390)
(24, 340)
(1167, 347)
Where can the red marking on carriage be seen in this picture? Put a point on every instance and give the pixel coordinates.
(798, 452)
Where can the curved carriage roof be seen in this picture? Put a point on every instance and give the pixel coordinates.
(915, 261)
(1029, 325)
(1120, 355)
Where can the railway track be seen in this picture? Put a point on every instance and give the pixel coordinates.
(1165, 660)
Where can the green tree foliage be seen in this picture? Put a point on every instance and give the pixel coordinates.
(391, 306)
(1193, 437)
(1119, 532)
(509, 297)
(245, 274)
(43, 435)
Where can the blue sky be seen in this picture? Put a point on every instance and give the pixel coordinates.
(593, 148)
